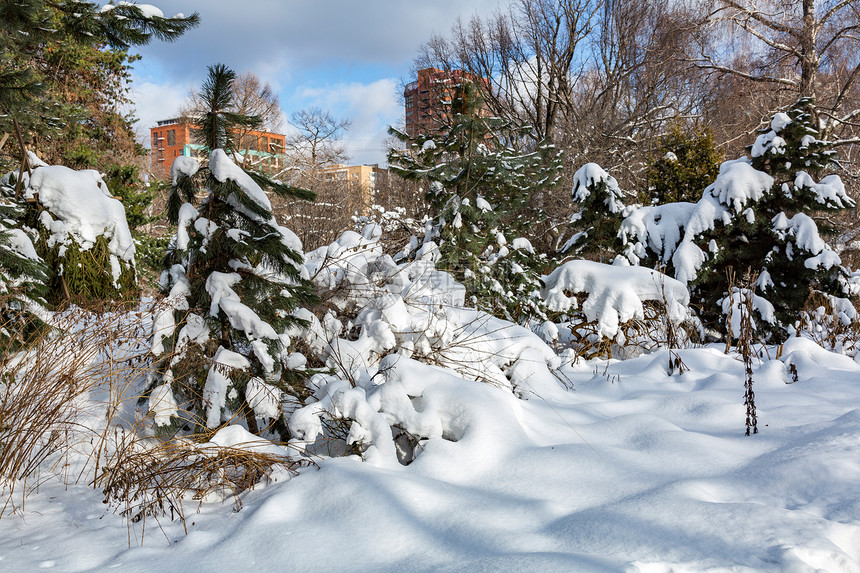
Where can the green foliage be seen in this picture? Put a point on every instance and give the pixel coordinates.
(601, 209)
(149, 256)
(480, 189)
(684, 164)
(772, 237)
(124, 181)
(232, 240)
(84, 276)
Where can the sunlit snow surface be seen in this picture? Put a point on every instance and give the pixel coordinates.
(632, 470)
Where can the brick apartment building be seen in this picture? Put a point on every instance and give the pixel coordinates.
(428, 99)
(174, 137)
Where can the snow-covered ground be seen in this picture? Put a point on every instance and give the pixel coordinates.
(629, 470)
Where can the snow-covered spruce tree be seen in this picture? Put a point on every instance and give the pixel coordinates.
(601, 210)
(753, 221)
(233, 277)
(23, 273)
(479, 190)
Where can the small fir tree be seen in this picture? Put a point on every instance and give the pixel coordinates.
(760, 224)
(233, 277)
(479, 192)
(601, 209)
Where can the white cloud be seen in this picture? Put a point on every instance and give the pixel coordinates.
(295, 35)
(370, 107)
(153, 102)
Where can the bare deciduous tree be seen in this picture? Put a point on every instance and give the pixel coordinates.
(528, 57)
(805, 48)
(601, 79)
(319, 140)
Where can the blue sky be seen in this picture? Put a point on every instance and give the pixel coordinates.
(345, 56)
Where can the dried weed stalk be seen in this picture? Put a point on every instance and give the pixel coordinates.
(152, 478)
(46, 407)
(68, 410)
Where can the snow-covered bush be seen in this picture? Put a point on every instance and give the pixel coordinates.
(234, 278)
(83, 236)
(397, 227)
(604, 309)
(392, 331)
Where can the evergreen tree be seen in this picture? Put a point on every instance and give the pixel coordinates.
(685, 163)
(601, 209)
(49, 49)
(64, 64)
(23, 274)
(233, 277)
(479, 189)
(753, 221)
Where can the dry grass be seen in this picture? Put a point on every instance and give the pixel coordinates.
(47, 412)
(69, 409)
(152, 478)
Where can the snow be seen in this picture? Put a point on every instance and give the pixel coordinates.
(263, 398)
(739, 184)
(734, 306)
(223, 169)
(183, 166)
(187, 214)
(241, 317)
(162, 404)
(590, 174)
(218, 383)
(633, 471)
(239, 437)
(615, 293)
(476, 444)
(19, 242)
(148, 10)
(770, 141)
(79, 207)
(658, 228)
(829, 192)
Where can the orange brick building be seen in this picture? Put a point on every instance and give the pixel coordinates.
(428, 99)
(174, 137)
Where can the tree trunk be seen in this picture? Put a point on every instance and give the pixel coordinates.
(809, 55)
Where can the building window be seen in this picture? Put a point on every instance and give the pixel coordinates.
(171, 137)
(249, 142)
